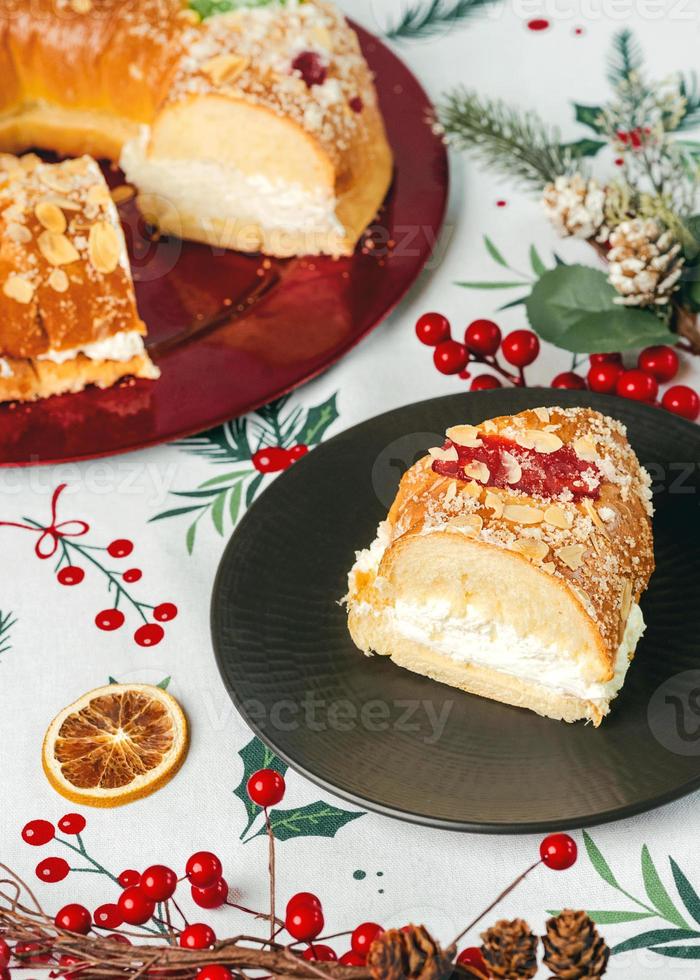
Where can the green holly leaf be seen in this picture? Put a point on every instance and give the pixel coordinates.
(315, 820)
(653, 937)
(574, 307)
(591, 116)
(584, 147)
(255, 755)
(598, 861)
(688, 895)
(656, 890)
(318, 419)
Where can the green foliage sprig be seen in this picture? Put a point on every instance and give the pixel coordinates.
(423, 20)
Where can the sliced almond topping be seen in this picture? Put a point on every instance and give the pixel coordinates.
(571, 555)
(582, 596)
(18, 288)
(495, 502)
(451, 492)
(53, 181)
(18, 233)
(225, 67)
(473, 489)
(470, 522)
(542, 414)
(444, 455)
(489, 426)
(464, 435)
(549, 566)
(104, 247)
(539, 440)
(58, 280)
(591, 512)
(585, 449)
(531, 548)
(558, 517)
(29, 161)
(64, 203)
(477, 471)
(124, 192)
(626, 600)
(57, 249)
(98, 194)
(523, 514)
(514, 470)
(51, 217)
(323, 36)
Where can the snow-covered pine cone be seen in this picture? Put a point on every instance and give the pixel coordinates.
(645, 262)
(575, 206)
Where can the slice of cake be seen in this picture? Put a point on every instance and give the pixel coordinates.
(68, 314)
(512, 562)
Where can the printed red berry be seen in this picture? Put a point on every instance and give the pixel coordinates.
(214, 972)
(472, 957)
(569, 380)
(296, 452)
(120, 548)
(304, 922)
(5, 952)
(38, 832)
(485, 382)
(450, 357)
(72, 823)
(71, 575)
(352, 959)
(638, 386)
(660, 362)
(203, 869)
(558, 851)
(520, 348)
(158, 883)
(311, 68)
(683, 401)
(129, 878)
(356, 104)
(266, 787)
(108, 916)
(212, 897)
(134, 907)
(149, 635)
(363, 937)
(52, 870)
(165, 612)
(272, 459)
(320, 953)
(603, 377)
(197, 936)
(432, 329)
(132, 575)
(483, 337)
(74, 918)
(303, 898)
(109, 619)
(611, 358)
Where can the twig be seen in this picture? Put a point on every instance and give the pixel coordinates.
(496, 901)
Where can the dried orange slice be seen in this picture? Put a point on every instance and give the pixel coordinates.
(115, 744)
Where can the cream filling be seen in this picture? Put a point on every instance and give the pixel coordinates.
(216, 194)
(120, 346)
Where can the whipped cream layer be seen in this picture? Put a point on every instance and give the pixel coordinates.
(120, 346)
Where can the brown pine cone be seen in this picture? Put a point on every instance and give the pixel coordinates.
(573, 949)
(510, 950)
(407, 955)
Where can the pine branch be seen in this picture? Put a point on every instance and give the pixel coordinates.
(516, 144)
(425, 19)
(226, 444)
(626, 58)
(7, 621)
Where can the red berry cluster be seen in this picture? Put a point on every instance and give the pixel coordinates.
(655, 365)
(482, 341)
(274, 459)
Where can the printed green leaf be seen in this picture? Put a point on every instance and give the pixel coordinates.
(255, 755)
(174, 513)
(538, 266)
(491, 285)
(317, 421)
(656, 890)
(583, 147)
(598, 861)
(513, 303)
(190, 536)
(604, 918)
(688, 895)
(589, 115)
(677, 952)
(315, 820)
(217, 512)
(212, 492)
(165, 683)
(112, 680)
(216, 480)
(494, 253)
(653, 937)
(253, 489)
(234, 504)
(574, 307)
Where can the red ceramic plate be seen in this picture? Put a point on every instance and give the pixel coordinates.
(231, 332)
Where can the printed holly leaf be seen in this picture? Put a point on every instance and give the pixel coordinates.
(317, 421)
(255, 755)
(598, 861)
(315, 820)
(574, 307)
(653, 937)
(688, 895)
(590, 115)
(583, 147)
(656, 890)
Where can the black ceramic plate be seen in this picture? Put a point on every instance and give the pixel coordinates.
(404, 745)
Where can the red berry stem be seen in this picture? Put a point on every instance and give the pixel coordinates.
(496, 901)
(257, 915)
(518, 381)
(182, 914)
(271, 867)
